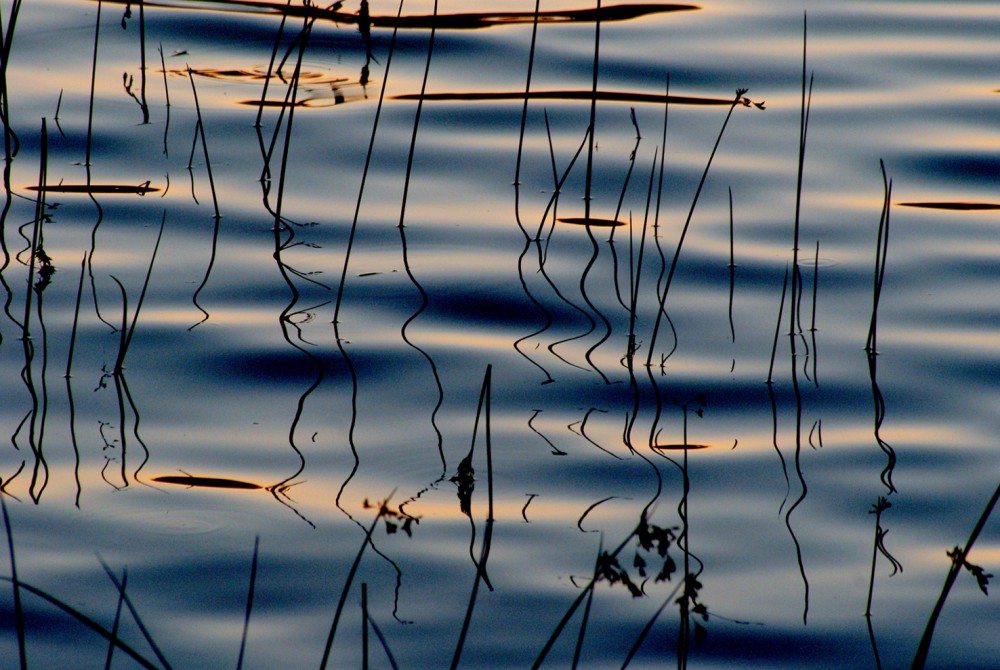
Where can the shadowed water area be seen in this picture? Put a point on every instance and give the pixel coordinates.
(499, 334)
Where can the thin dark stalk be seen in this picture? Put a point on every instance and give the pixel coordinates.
(424, 299)
(166, 94)
(76, 318)
(649, 626)
(11, 142)
(958, 561)
(364, 171)
(37, 227)
(382, 641)
(128, 330)
(250, 592)
(593, 112)
(687, 224)
(878, 547)
(270, 65)
(575, 604)
(597, 312)
(524, 121)
(481, 576)
(812, 324)
(488, 384)
(142, 40)
(416, 120)
(18, 608)
(803, 132)
(618, 210)
(777, 329)
(578, 649)
(135, 617)
(118, 617)
(364, 626)
(871, 347)
(346, 589)
(55, 117)
(204, 143)
(636, 274)
(88, 166)
(93, 83)
(631, 167)
(732, 267)
(86, 621)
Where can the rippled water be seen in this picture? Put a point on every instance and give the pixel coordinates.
(288, 364)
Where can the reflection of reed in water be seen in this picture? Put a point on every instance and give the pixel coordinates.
(424, 300)
(127, 79)
(871, 346)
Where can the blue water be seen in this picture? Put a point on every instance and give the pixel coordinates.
(470, 321)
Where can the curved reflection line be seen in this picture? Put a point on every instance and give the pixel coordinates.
(583, 432)
(280, 489)
(88, 166)
(555, 450)
(343, 274)
(424, 300)
(635, 271)
(69, 386)
(583, 291)
(200, 132)
(517, 213)
(793, 321)
(579, 522)
(551, 206)
(11, 147)
(774, 404)
(542, 252)
(38, 394)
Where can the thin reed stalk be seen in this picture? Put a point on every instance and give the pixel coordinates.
(118, 618)
(128, 330)
(270, 65)
(200, 131)
(76, 318)
(687, 225)
(593, 112)
(364, 171)
(481, 576)
(90, 623)
(16, 583)
(958, 561)
(36, 231)
(777, 330)
(347, 586)
(364, 626)
(524, 121)
(385, 645)
(250, 594)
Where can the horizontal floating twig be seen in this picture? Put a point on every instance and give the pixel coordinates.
(962, 206)
(679, 447)
(124, 189)
(460, 21)
(206, 482)
(608, 96)
(584, 221)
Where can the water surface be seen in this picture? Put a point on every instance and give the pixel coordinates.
(288, 364)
